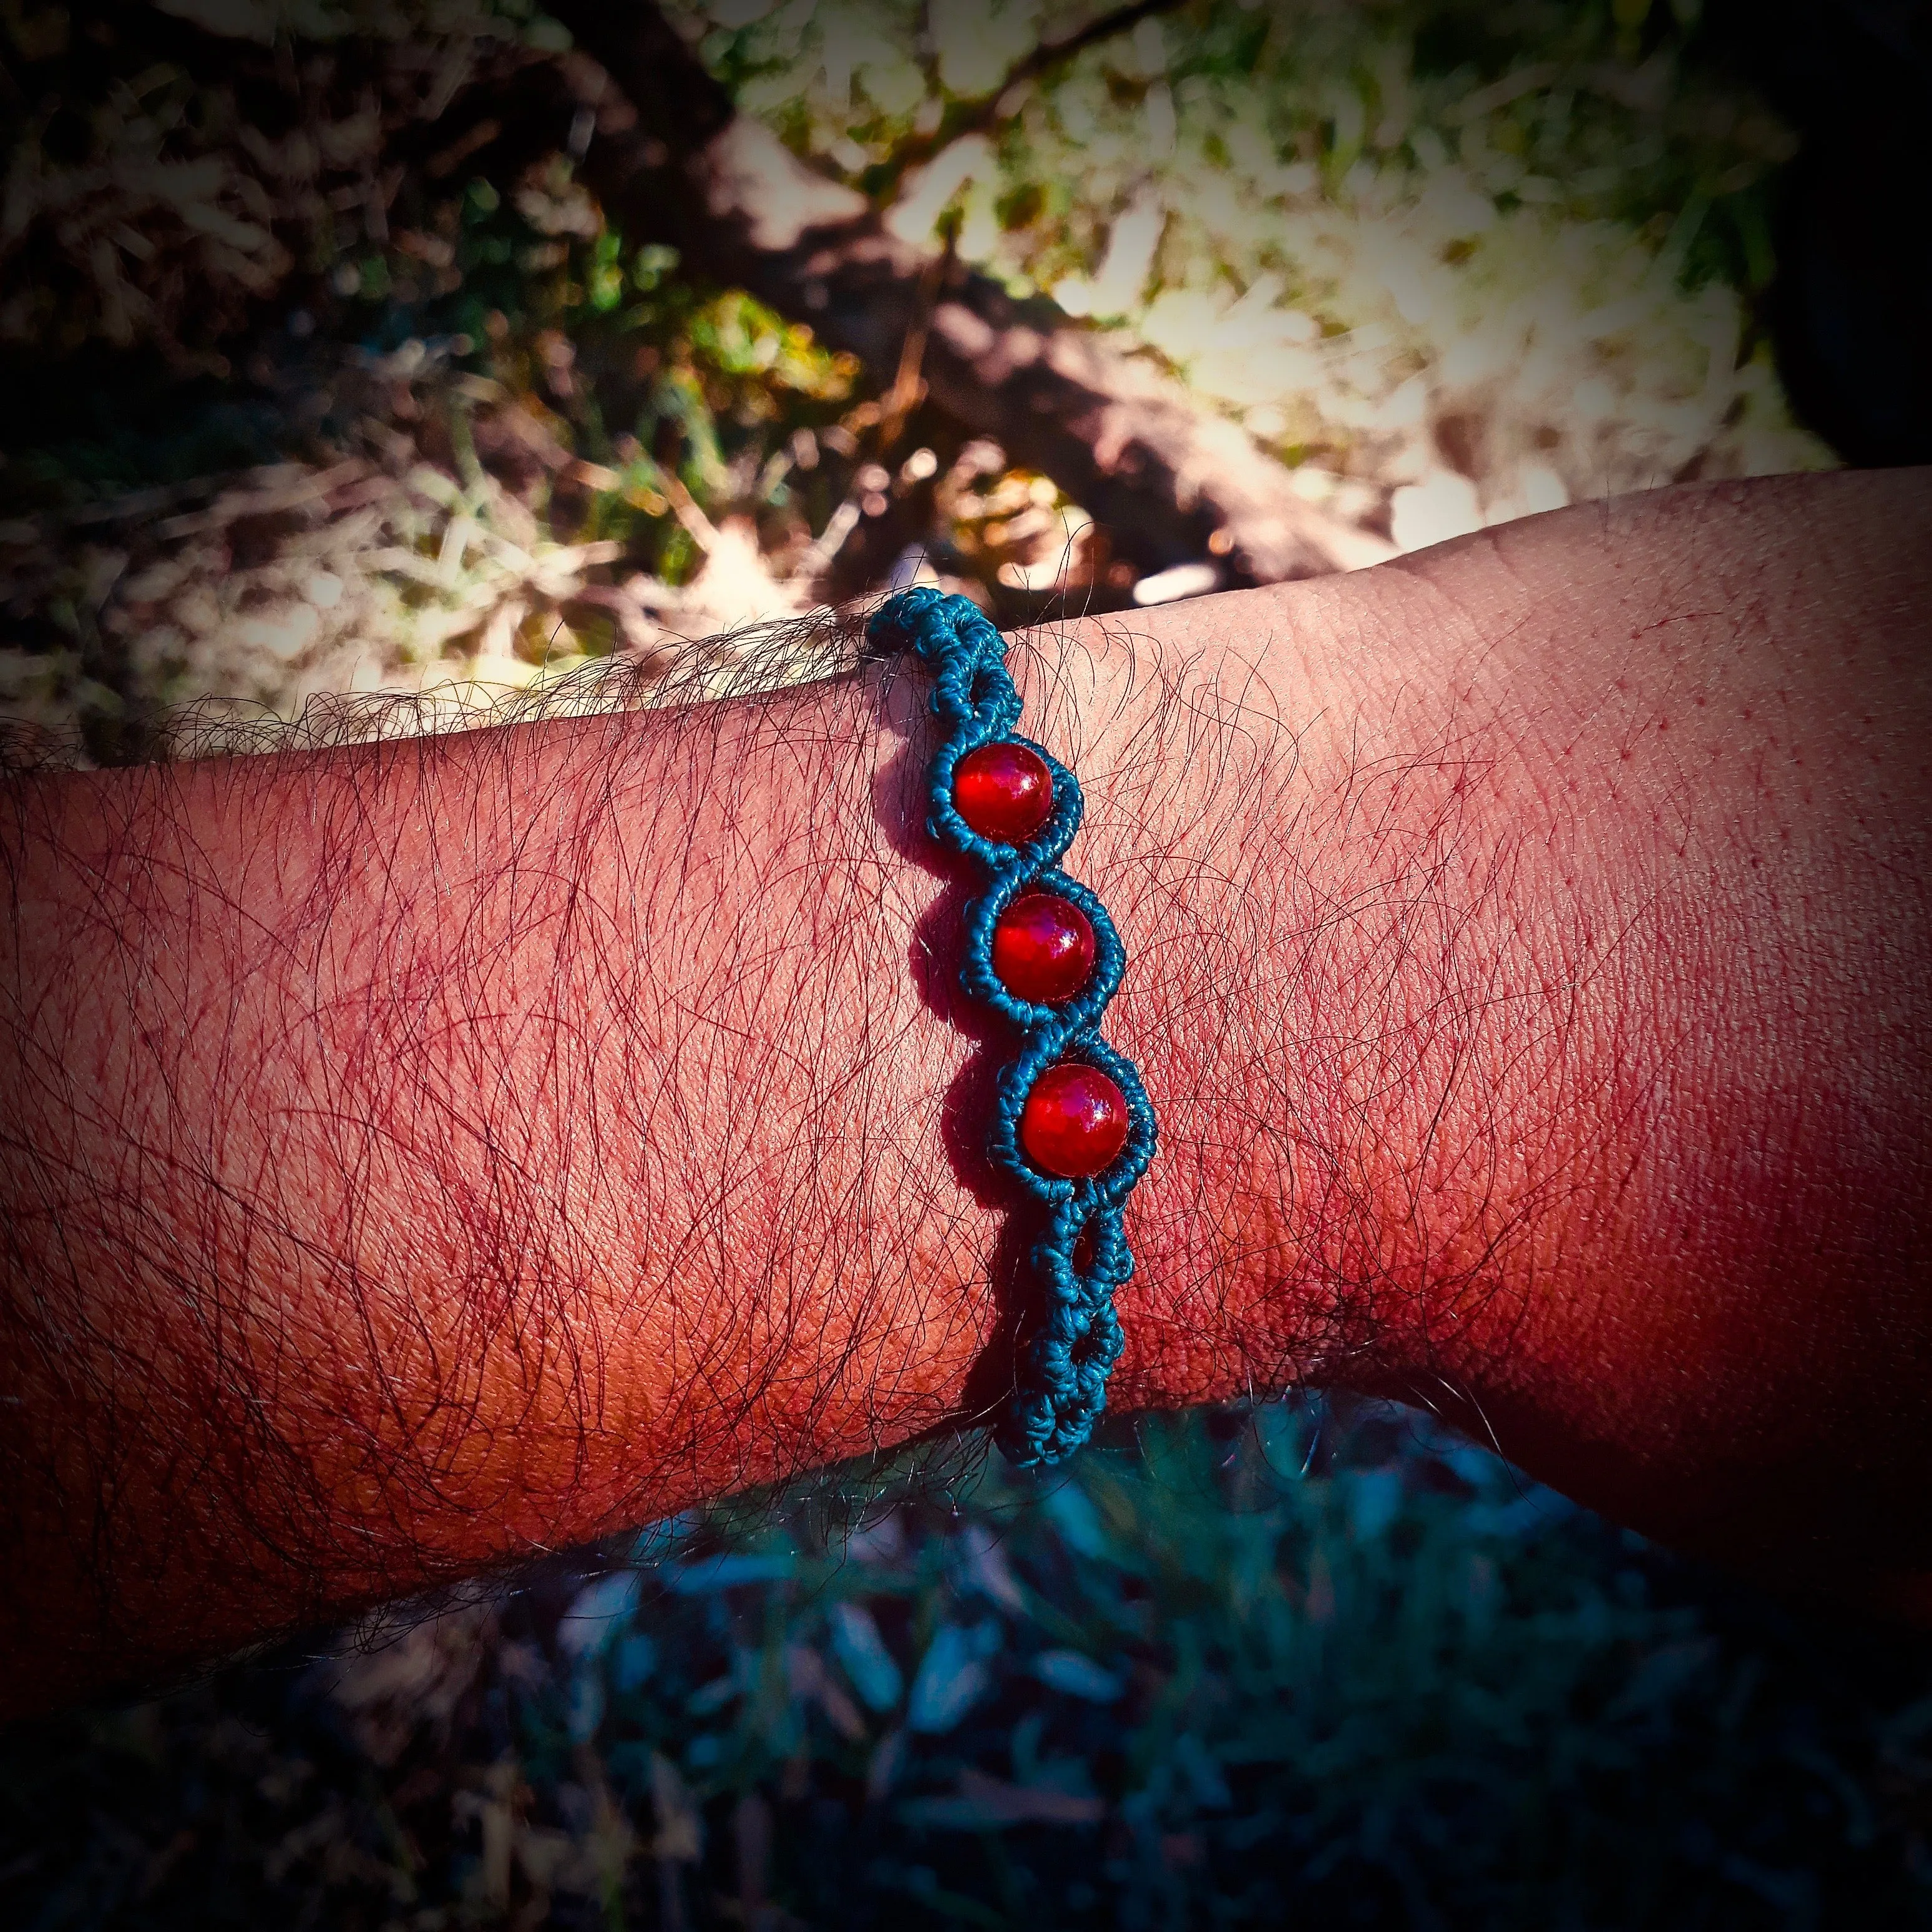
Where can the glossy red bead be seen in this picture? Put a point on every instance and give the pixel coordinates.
(1043, 948)
(1075, 1121)
(1003, 791)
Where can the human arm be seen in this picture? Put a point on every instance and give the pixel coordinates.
(419, 1155)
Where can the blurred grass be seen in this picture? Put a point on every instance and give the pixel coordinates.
(1304, 1665)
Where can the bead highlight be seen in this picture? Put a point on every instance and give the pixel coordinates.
(1043, 948)
(1003, 791)
(1075, 1121)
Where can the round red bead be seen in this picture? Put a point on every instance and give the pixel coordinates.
(1043, 948)
(1075, 1121)
(1003, 791)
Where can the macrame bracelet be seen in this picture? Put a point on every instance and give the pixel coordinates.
(1071, 1123)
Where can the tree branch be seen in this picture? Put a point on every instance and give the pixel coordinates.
(986, 111)
(1172, 480)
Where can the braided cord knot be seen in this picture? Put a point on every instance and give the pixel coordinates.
(1074, 1337)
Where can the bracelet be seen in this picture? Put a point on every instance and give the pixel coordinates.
(1071, 1123)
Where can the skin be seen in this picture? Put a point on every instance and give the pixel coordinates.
(418, 1156)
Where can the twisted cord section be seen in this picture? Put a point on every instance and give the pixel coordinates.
(1072, 1338)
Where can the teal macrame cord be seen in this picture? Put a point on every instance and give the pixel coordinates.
(1071, 1339)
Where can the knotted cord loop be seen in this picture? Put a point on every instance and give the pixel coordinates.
(1074, 1337)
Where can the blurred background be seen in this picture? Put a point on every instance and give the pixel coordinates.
(447, 349)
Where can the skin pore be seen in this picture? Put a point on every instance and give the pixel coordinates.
(417, 1155)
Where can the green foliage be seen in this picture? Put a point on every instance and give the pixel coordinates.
(1303, 204)
(619, 358)
(1588, 111)
(1455, 262)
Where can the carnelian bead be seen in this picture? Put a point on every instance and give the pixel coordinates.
(1075, 1121)
(1043, 948)
(1003, 791)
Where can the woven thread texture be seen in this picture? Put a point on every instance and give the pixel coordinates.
(1071, 1338)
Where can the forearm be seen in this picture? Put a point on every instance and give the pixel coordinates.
(1567, 1039)
(427, 1155)
(417, 1157)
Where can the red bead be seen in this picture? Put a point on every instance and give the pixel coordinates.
(1003, 791)
(1075, 1121)
(1043, 948)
